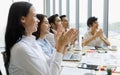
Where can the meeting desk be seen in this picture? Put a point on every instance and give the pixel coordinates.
(93, 62)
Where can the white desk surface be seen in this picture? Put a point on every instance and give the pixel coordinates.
(111, 58)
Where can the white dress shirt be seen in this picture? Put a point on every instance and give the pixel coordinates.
(27, 58)
(96, 42)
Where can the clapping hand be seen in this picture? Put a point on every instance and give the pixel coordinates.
(63, 38)
(99, 33)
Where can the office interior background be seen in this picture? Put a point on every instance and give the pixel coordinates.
(77, 11)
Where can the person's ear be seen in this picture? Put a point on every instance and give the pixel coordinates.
(23, 19)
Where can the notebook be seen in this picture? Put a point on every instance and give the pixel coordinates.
(75, 71)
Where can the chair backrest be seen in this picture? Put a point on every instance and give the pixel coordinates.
(2, 64)
(0, 72)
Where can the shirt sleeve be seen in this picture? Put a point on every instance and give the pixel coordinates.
(34, 62)
(55, 64)
(30, 63)
(86, 36)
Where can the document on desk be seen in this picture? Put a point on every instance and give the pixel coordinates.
(93, 58)
(74, 71)
(101, 59)
(70, 63)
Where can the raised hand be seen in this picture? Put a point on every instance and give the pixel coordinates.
(65, 38)
(75, 37)
(99, 33)
(59, 32)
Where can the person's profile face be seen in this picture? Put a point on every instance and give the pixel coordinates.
(95, 25)
(30, 21)
(57, 22)
(45, 26)
(65, 22)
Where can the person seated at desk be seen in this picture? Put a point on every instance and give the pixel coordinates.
(65, 22)
(95, 36)
(24, 55)
(42, 31)
(54, 21)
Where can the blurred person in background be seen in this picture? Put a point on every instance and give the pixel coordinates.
(95, 36)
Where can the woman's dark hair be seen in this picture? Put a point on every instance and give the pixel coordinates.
(90, 21)
(15, 29)
(41, 18)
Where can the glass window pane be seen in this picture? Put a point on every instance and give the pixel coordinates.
(83, 16)
(63, 7)
(19, 0)
(4, 5)
(83, 9)
(51, 7)
(97, 11)
(72, 13)
(38, 4)
(56, 6)
(114, 22)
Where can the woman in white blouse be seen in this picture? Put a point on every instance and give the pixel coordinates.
(24, 56)
(95, 36)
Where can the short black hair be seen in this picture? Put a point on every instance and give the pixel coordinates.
(91, 20)
(62, 16)
(51, 19)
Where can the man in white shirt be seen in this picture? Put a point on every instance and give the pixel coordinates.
(54, 21)
(95, 35)
(65, 22)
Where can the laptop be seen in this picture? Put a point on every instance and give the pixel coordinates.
(70, 56)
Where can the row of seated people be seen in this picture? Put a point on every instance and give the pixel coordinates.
(27, 54)
(93, 37)
(42, 53)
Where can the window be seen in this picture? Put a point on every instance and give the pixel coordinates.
(56, 6)
(72, 13)
(82, 19)
(114, 22)
(63, 7)
(19, 0)
(83, 16)
(4, 5)
(38, 4)
(51, 7)
(97, 11)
